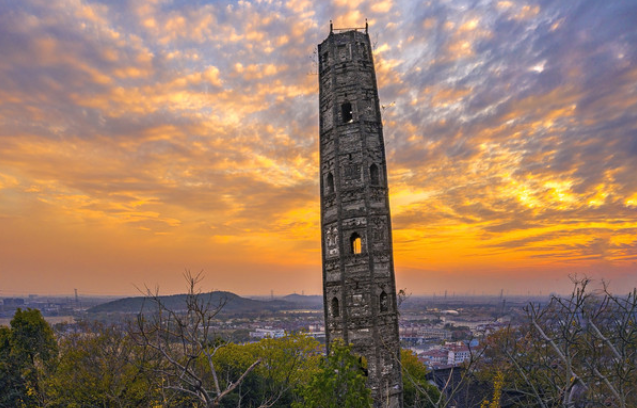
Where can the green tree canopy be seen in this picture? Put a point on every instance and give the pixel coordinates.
(32, 339)
(339, 382)
(28, 351)
(287, 364)
(99, 366)
(417, 391)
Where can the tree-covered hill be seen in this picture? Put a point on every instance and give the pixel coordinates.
(231, 303)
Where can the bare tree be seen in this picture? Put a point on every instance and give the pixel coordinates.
(184, 344)
(576, 351)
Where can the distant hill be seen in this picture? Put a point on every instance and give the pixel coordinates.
(232, 304)
(308, 302)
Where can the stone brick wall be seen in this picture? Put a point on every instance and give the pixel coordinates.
(358, 270)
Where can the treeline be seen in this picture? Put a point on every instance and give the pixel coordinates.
(107, 366)
(576, 351)
(172, 357)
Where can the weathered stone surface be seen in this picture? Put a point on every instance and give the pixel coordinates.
(358, 267)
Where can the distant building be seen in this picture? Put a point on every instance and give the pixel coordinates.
(434, 357)
(420, 333)
(489, 328)
(458, 353)
(451, 354)
(13, 302)
(267, 333)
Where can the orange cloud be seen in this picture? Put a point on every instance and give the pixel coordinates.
(141, 139)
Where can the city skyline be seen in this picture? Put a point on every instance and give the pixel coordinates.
(138, 140)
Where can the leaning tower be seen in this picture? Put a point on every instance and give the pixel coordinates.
(359, 289)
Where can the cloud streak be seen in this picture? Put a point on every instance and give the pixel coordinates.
(185, 135)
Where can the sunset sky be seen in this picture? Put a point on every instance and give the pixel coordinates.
(139, 139)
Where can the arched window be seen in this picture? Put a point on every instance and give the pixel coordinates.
(383, 302)
(346, 110)
(364, 52)
(335, 311)
(373, 175)
(356, 244)
(330, 183)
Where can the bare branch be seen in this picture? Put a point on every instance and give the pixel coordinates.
(234, 385)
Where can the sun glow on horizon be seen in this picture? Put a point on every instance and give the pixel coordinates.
(139, 140)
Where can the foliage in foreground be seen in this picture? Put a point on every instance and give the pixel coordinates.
(339, 382)
(100, 366)
(28, 356)
(106, 366)
(417, 391)
(576, 351)
(174, 358)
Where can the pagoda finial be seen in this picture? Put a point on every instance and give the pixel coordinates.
(366, 26)
(331, 27)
